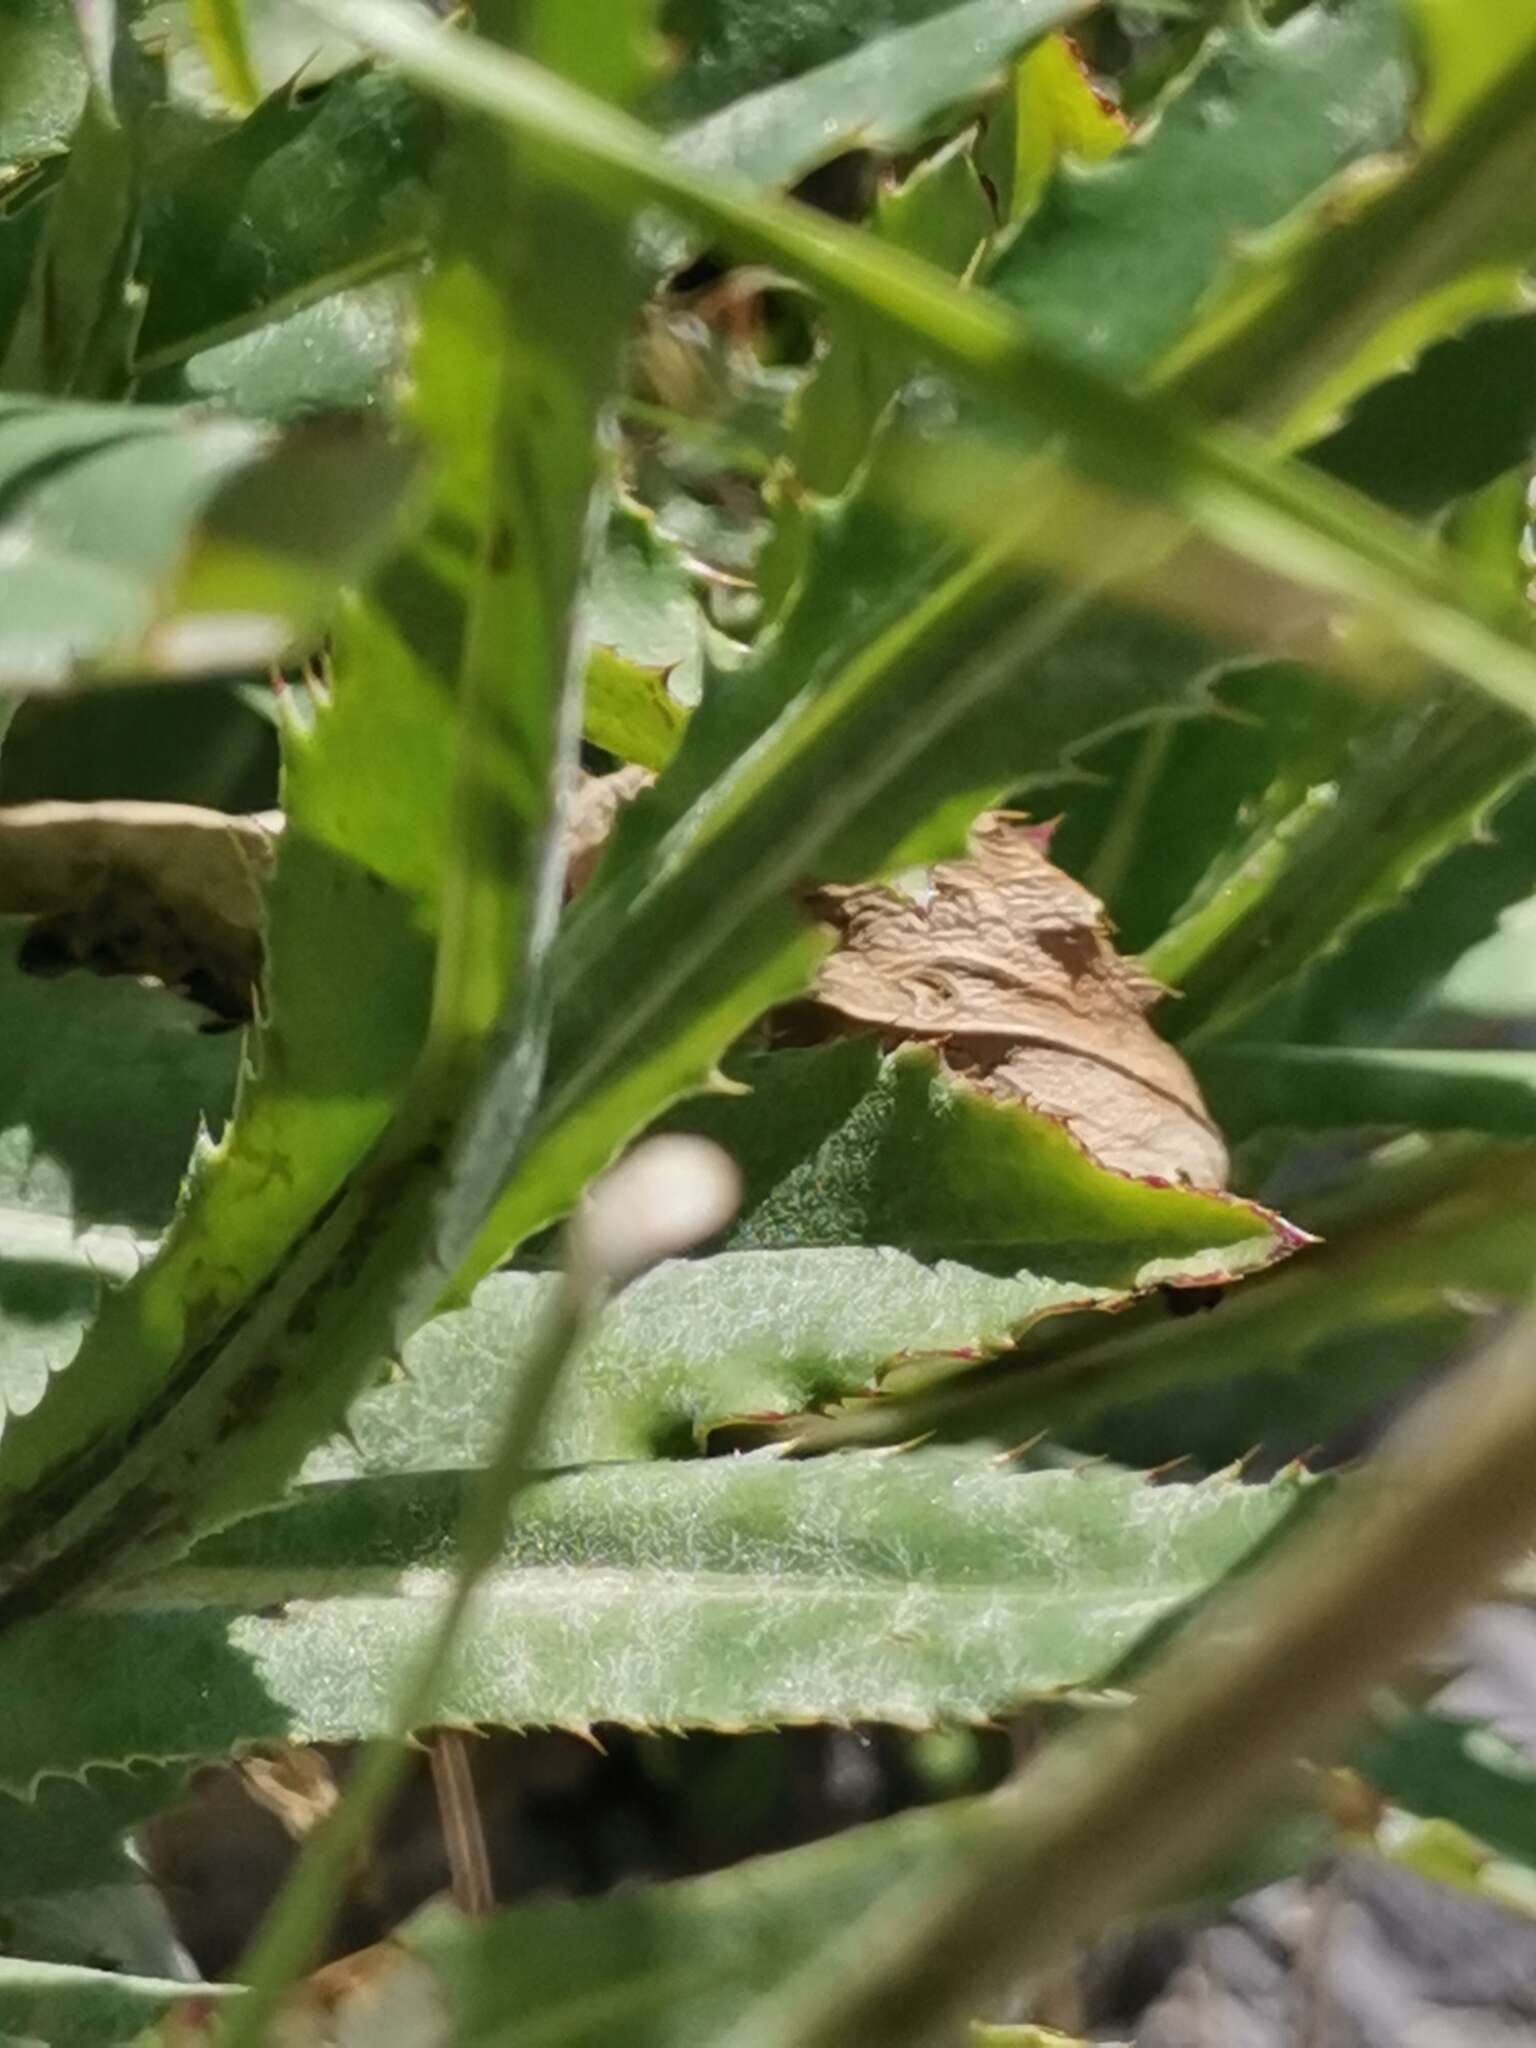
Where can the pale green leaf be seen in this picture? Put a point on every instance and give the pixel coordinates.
(346, 352)
(42, 79)
(140, 541)
(101, 1095)
(723, 1593)
(61, 2005)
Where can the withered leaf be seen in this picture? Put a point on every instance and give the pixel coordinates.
(169, 891)
(1005, 965)
(294, 1784)
(590, 818)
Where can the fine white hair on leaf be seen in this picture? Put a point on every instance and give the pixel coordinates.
(663, 1198)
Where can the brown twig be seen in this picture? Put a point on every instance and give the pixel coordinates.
(458, 1812)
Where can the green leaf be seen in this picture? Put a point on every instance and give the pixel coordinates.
(1118, 255)
(1310, 893)
(1418, 253)
(893, 1221)
(984, 2036)
(69, 1835)
(70, 1891)
(219, 26)
(102, 1094)
(1459, 1219)
(322, 1084)
(844, 1146)
(723, 1593)
(878, 97)
(1461, 417)
(73, 332)
(1459, 840)
(1318, 1087)
(343, 910)
(42, 80)
(646, 635)
(71, 2007)
(140, 541)
(808, 1328)
(1348, 848)
(1153, 818)
(325, 1227)
(1456, 1770)
(305, 196)
(1384, 987)
(802, 1328)
(1281, 1400)
(103, 1088)
(1271, 515)
(630, 711)
(855, 277)
(347, 352)
(730, 48)
(898, 724)
(675, 1964)
(1052, 113)
(940, 212)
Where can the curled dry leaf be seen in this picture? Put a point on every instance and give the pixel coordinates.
(1004, 964)
(169, 891)
(294, 1784)
(594, 808)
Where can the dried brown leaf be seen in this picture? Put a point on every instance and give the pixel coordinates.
(594, 809)
(294, 1784)
(169, 891)
(1005, 964)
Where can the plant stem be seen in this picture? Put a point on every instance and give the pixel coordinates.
(290, 1937)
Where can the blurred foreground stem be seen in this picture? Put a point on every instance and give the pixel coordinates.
(1113, 1815)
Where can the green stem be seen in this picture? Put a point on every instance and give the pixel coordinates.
(291, 1936)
